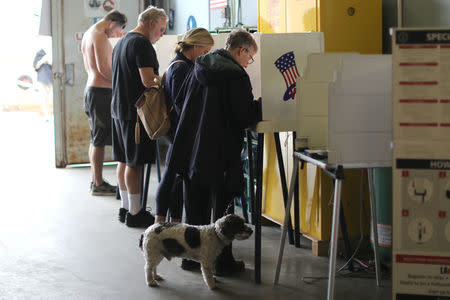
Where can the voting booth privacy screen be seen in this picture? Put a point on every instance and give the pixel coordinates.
(280, 61)
(344, 107)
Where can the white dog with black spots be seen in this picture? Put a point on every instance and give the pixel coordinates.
(199, 243)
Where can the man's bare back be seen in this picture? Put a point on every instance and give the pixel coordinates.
(97, 56)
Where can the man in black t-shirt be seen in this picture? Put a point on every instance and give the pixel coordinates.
(135, 67)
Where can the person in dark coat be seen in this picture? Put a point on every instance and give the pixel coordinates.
(195, 42)
(218, 106)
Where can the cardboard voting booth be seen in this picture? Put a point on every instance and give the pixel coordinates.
(360, 111)
(312, 99)
(280, 60)
(165, 48)
(344, 106)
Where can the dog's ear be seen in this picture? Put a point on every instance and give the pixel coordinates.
(232, 225)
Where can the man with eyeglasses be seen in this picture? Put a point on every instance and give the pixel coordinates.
(135, 67)
(218, 106)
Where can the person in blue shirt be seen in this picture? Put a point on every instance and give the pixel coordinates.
(169, 196)
(195, 42)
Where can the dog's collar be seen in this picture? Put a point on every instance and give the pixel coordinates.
(222, 237)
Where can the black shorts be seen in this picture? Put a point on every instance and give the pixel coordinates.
(125, 148)
(97, 105)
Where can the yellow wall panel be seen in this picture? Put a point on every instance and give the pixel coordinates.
(301, 15)
(351, 25)
(316, 192)
(271, 16)
(272, 205)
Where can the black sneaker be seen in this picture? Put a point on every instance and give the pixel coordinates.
(142, 219)
(122, 214)
(104, 189)
(189, 265)
(228, 269)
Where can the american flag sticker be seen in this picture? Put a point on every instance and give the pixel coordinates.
(287, 67)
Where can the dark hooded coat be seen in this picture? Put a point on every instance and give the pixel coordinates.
(218, 105)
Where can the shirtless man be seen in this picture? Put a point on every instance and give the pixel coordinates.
(97, 57)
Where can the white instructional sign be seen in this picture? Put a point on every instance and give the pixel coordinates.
(421, 161)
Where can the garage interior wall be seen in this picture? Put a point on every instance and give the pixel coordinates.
(416, 13)
(200, 10)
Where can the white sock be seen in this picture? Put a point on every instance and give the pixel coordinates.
(135, 203)
(124, 199)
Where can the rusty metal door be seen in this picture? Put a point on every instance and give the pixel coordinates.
(70, 19)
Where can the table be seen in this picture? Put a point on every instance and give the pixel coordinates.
(260, 128)
(335, 171)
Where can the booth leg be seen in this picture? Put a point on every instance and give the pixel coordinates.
(373, 217)
(286, 222)
(334, 235)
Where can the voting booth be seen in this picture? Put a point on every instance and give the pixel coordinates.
(360, 111)
(358, 134)
(312, 100)
(344, 107)
(165, 48)
(343, 111)
(279, 62)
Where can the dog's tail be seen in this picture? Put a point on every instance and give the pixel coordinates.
(141, 241)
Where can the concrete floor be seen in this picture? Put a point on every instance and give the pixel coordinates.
(58, 242)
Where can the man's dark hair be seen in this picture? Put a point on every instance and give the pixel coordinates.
(116, 16)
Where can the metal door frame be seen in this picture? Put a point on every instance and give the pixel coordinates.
(59, 78)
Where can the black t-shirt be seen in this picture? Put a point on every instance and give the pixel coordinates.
(132, 52)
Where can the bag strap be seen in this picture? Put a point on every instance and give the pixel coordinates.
(163, 79)
(137, 130)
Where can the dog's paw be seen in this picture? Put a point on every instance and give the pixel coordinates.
(212, 286)
(152, 283)
(158, 278)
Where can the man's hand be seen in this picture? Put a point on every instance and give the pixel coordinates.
(148, 77)
(157, 80)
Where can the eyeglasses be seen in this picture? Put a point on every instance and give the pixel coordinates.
(251, 57)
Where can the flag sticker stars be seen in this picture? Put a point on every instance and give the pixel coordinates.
(288, 69)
